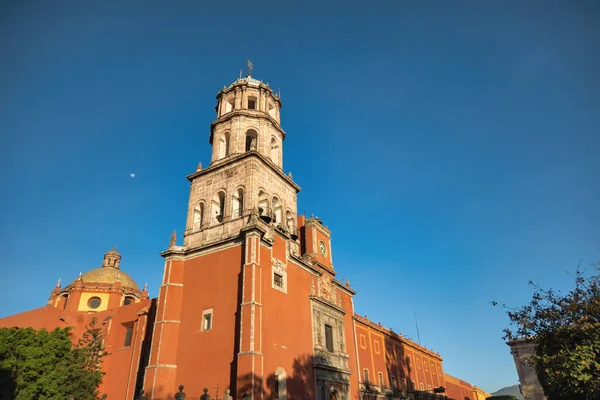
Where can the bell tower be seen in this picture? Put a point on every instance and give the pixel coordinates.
(246, 169)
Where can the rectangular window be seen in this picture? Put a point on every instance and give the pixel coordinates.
(366, 375)
(278, 280)
(380, 376)
(128, 335)
(207, 322)
(329, 337)
(252, 103)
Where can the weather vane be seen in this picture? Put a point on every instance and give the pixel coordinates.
(250, 67)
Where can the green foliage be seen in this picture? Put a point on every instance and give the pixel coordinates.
(45, 365)
(566, 331)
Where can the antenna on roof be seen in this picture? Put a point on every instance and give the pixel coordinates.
(417, 325)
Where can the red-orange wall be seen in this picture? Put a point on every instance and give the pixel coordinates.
(457, 389)
(121, 365)
(382, 351)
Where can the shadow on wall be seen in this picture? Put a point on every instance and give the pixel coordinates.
(297, 384)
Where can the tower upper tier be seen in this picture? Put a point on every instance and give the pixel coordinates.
(248, 119)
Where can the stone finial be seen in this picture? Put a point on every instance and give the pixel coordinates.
(290, 174)
(79, 277)
(227, 395)
(199, 167)
(58, 283)
(173, 240)
(347, 283)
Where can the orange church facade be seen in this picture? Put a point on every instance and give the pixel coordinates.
(249, 301)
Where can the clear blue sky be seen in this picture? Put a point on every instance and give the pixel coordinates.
(451, 147)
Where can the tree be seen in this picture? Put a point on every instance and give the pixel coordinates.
(45, 365)
(566, 332)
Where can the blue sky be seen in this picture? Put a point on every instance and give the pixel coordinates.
(451, 147)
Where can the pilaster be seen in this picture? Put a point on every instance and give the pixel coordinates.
(250, 356)
(161, 372)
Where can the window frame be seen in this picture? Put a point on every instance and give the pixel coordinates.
(211, 320)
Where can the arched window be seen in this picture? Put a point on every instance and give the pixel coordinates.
(280, 387)
(218, 208)
(198, 217)
(274, 151)
(128, 300)
(224, 146)
(229, 105)
(263, 204)
(276, 210)
(272, 112)
(238, 203)
(251, 140)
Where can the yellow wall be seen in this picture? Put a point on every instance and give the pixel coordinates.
(479, 394)
(83, 303)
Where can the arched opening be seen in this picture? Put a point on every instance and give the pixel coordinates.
(274, 151)
(252, 101)
(263, 206)
(272, 112)
(224, 146)
(128, 300)
(198, 217)
(229, 105)
(251, 140)
(218, 208)
(280, 386)
(333, 395)
(276, 210)
(238, 203)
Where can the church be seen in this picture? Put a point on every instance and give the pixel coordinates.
(249, 305)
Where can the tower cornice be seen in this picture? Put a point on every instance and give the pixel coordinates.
(246, 113)
(249, 154)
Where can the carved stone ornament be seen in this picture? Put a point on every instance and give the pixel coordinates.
(278, 265)
(326, 287)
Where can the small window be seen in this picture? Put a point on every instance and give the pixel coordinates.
(278, 280)
(422, 386)
(128, 300)
(128, 335)
(65, 303)
(329, 337)
(366, 375)
(94, 302)
(380, 376)
(207, 320)
(393, 379)
(428, 387)
(252, 103)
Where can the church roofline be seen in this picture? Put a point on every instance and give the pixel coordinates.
(396, 335)
(238, 157)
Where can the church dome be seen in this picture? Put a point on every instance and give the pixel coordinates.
(109, 273)
(109, 276)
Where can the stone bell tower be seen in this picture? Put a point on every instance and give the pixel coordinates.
(246, 169)
(241, 229)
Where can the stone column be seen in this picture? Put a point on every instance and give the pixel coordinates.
(238, 98)
(244, 97)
